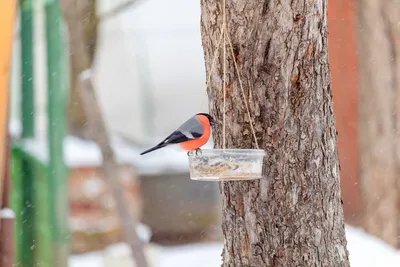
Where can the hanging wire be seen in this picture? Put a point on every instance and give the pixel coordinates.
(243, 95)
(224, 29)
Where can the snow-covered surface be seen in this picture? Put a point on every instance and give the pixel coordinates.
(119, 255)
(15, 128)
(197, 255)
(93, 259)
(79, 152)
(365, 251)
(369, 251)
(7, 213)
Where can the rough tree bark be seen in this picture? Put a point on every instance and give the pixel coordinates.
(293, 217)
(379, 55)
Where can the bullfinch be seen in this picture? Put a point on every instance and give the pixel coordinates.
(190, 136)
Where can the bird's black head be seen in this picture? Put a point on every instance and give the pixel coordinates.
(211, 119)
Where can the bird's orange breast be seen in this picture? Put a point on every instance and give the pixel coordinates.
(199, 142)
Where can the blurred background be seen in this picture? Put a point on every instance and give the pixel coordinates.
(148, 67)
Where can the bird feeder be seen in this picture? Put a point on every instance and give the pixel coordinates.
(226, 164)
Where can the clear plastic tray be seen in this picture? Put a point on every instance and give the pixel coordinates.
(226, 164)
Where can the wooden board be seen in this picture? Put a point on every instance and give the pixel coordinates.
(7, 20)
(343, 59)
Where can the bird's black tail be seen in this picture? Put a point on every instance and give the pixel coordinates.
(153, 148)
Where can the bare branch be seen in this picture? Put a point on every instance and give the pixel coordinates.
(110, 168)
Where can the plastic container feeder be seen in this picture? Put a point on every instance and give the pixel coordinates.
(226, 164)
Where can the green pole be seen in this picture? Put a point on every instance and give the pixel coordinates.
(57, 75)
(26, 227)
(28, 118)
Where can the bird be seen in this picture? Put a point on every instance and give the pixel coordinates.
(190, 136)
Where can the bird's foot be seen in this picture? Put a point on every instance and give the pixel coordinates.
(198, 152)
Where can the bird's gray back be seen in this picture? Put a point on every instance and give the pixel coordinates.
(192, 128)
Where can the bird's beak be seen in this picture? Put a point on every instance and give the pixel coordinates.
(213, 122)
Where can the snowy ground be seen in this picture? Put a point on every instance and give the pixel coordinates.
(365, 251)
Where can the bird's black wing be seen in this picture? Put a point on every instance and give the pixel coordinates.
(190, 130)
(178, 137)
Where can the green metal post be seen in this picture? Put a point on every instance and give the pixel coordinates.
(26, 226)
(58, 78)
(28, 118)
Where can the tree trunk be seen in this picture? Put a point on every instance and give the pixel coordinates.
(294, 216)
(379, 53)
(82, 25)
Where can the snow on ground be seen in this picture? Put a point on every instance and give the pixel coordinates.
(369, 251)
(93, 259)
(365, 251)
(194, 255)
(197, 255)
